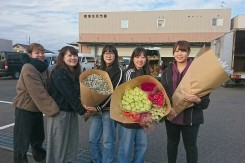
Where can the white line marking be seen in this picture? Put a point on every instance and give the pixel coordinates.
(6, 102)
(9, 125)
(6, 126)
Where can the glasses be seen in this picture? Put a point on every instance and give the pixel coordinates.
(109, 53)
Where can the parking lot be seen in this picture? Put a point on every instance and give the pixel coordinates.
(221, 137)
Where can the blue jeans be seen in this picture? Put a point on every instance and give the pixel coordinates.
(102, 126)
(130, 139)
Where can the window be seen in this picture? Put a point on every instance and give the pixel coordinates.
(217, 22)
(124, 23)
(160, 22)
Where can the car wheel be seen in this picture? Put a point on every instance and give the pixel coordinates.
(16, 74)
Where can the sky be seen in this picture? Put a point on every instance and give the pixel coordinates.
(54, 23)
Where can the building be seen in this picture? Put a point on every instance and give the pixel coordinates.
(6, 45)
(151, 29)
(238, 22)
(23, 48)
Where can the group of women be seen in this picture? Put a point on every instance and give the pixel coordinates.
(57, 96)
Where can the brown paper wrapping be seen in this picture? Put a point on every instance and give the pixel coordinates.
(88, 96)
(116, 98)
(204, 75)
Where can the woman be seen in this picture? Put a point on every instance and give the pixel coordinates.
(187, 122)
(31, 102)
(101, 124)
(62, 129)
(133, 136)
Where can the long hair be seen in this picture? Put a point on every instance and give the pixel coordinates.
(137, 52)
(62, 64)
(109, 48)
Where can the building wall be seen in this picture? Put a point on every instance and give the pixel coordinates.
(6, 45)
(176, 21)
(142, 29)
(238, 22)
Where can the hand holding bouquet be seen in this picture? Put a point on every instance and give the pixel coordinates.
(95, 87)
(141, 100)
(205, 74)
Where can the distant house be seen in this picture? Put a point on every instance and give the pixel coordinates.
(23, 48)
(6, 45)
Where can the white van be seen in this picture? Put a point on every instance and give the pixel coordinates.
(87, 61)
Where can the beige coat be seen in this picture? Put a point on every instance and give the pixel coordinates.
(32, 94)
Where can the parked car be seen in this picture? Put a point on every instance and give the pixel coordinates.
(126, 61)
(87, 61)
(51, 58)
(121, 63)
(11, 63)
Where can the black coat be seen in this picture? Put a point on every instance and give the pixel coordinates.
(192, 115)
(65, 90)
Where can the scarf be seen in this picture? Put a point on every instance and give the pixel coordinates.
(177, 77)
(179, 119)
(39, 65)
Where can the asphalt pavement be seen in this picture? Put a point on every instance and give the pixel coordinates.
(221, 138)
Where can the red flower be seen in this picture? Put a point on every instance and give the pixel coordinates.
(156, 98)
(136, 117)
(148, 86)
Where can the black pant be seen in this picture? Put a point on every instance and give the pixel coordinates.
(28, 130)
(189, 135)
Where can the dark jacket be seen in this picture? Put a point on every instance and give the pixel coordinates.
(192, 115)
(116, 74)
(65, 90)
(128, 75)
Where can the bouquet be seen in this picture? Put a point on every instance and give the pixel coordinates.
(205, 74)
(95, 87)
(141, 100)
